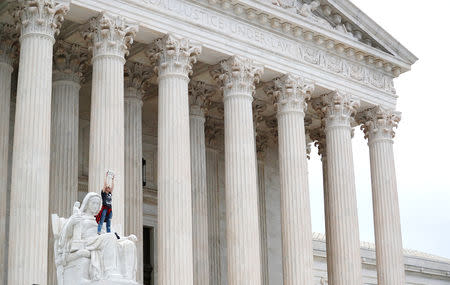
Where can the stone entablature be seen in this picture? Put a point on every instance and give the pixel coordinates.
(359, 69)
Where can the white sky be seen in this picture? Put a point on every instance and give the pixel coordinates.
(422, 148)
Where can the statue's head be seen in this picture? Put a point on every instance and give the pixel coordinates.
(92, 203)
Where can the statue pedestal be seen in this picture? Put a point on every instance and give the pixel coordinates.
(83, 257)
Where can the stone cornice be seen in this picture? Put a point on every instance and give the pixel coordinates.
(317, 45)
(277, 50)
(299, 26)
(351, 11)
(264, 13)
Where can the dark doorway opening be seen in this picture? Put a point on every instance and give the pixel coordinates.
(149, 256)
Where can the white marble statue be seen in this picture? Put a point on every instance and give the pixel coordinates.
(84, 257)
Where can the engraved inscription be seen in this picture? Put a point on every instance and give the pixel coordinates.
(266, 40)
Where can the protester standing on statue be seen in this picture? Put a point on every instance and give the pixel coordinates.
(105, 213)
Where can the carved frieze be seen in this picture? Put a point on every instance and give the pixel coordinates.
(297, 43)
(327, 17)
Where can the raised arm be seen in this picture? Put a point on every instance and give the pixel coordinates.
(112, 184)
(104, 181)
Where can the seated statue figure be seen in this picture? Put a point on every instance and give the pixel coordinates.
(84, 257)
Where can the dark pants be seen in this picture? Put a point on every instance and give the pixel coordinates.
(105, 218)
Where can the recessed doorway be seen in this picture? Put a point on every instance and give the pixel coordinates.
(149, 256)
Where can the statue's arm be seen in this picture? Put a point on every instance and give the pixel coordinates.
(67, 230)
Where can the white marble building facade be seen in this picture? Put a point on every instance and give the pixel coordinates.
(222, 100)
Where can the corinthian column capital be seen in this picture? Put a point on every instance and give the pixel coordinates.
(379, 123)
(136, 77)
(172, 55)
(9, 50)
(43, 17)
(69, 62)
(338, 109)
(199, 97)
(290, 93)
(237, 75)
(110, 35)
(319, 138)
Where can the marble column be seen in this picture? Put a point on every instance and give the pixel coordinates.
(237, 77)
(212, 181)
(110, 37)
(69, 61)
(135, 77)
(174, 58)
(318, 135)
(378, 126)
(212, 131)
(197, 96)
(8, 195)
(39, 21)
(343, 232)
(296, 230)
(261, 141)
(262, 217)
(8, 52)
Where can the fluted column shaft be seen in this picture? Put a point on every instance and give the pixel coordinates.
(388, 237)
(106, 140)
(319, 136)
(6, 68)
(199, 194)
(343, 233)
(135, 77)
(212, 172)
(133, 172)
(64, 138)
(263, 223)
(63, 157)
(27, 262)
(175, 258)
(237, 76)
(296, 230)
